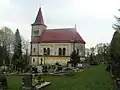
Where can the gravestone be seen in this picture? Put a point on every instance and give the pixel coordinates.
(39, 68)
(3, 82)
(44, 69)
(80, 65)
(27, 82)
(58, 67)
(34, 69)
(30, 82)
(69, 65)
(51, 70)
(118, 82)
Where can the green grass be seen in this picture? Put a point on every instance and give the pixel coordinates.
(94, 78)
(14, 82)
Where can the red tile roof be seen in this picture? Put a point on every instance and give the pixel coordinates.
(39, 19)
(66, 35)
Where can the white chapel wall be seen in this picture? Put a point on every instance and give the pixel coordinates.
(36, 47)
(81, 48)
(54, 47)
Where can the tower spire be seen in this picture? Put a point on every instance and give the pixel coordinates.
(39, 19)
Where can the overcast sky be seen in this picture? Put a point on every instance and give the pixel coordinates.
(93, 18)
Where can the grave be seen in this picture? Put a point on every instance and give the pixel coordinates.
(60, 71)
(27, 82)
(30, 82)
(39, 69)
(118, 82)
(42, 85)
(3, 82)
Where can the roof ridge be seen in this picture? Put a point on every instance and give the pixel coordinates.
(59, 28)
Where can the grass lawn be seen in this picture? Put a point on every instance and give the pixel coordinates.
(14, 82)
(94, 78)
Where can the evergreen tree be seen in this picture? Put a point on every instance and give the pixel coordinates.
(1, 55)
(75, 58)
(114, 53)
(91, 59)
(17, 57)
(26, 59)
(78, 56)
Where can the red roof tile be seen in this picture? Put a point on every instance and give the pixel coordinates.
(66, 35)
(39, 19)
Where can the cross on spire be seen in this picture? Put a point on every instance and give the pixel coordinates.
(75, 26)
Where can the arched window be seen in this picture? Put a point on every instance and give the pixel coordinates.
(78, 51)
(60, 51)
(33, 60)
(64, 51)
(44, 51)
(34, 49)
(48, 51)
(36, 32)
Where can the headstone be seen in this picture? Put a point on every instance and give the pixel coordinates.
(118, 82)
(27, 82)
(69, 65)
(44, 70)
(3, 83)
(39, 68)
(79, 65)
(28, 70)
(51, 70)
(19, 70)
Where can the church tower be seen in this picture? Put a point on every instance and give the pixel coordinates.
(37, 30)
(38, 26)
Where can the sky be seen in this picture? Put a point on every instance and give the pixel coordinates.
(93, 18)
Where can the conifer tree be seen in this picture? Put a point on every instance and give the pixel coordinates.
(17, 57)
(75, 58)
(114, 52)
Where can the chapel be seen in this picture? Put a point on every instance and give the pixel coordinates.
(49, 46)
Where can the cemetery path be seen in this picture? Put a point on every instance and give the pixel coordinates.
(94, 78)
